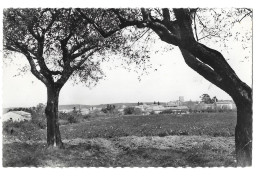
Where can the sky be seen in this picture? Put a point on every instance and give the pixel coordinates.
(173, 78)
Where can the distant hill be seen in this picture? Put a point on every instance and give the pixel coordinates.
(82, 106)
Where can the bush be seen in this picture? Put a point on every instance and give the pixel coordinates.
(39, 119)
(72, 119)
(109, 109)
(41, 123)
(129, 110)
(167, 111)
(132, 110)
(88, 116)
(14, 128)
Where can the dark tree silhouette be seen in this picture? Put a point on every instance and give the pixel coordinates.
(59, 45)
(177, 27)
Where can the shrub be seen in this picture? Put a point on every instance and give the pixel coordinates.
(72, 119)
(14, 128)
(88, 116)
(109, 109)
(129, 110)
(167, 111)
(132, 110)
(39, 119)
(41, 123)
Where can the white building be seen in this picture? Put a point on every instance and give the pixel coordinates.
(17, 116)
(225, 105)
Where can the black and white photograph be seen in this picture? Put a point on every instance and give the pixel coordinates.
(138, 87)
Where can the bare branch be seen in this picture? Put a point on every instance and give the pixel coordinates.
(245, 16)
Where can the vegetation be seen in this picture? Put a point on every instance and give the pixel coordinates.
(75, 34)
(59, 45)
(109, 109)
(132, 111)
(205, 139)
(206, 99)
(210, 124)
(191, 30)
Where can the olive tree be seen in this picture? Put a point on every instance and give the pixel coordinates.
(179, 27)
(60, 45)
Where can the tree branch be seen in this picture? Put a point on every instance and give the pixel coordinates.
(166, 14)
(245, 16)
(73, 56)
(85, 58)
(34, 70)
(201, 68)
(126, 23)
(54, 16)
(195, 27)
(29, 26)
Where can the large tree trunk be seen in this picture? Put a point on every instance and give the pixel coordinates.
(51, 111)
(241, 94)
(210, 64)
(243, 133)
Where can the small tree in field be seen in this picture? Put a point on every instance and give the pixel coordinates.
(205, 98)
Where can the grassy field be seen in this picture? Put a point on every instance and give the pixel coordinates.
(205, 139)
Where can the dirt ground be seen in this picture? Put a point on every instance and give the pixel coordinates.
(130, 151)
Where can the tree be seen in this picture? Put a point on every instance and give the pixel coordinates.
(205, 98)
(214, 99)
(59, 45)
(178, 28)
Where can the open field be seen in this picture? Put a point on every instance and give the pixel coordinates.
(205, 139)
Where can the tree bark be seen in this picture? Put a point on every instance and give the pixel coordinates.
(243, 133)
(242, 96)
(51, 111)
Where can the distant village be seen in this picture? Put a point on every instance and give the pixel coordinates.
(179, 106)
